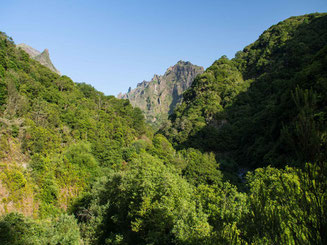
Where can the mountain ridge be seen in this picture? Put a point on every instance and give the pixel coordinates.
(158, 97)
(42, 57)
(248, 166)
(248, 107)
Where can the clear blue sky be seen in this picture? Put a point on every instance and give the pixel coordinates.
(116, 44)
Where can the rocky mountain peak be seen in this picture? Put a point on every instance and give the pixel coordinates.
(43, 58)
(182, 62)
(158, 97)
(28, 49)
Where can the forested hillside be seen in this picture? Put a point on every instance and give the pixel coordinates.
(265, 106)
(55, 134)
(79, 167)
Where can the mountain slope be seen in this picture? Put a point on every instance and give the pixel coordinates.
(55, 135)
(43, 58)
(160, 96)
(265, 106)
(86, 169)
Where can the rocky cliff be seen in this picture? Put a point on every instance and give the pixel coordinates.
(158, 97)
(43, 58)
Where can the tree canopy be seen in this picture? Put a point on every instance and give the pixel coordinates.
(242, 160)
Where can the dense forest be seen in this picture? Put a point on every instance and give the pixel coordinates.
(241, 161)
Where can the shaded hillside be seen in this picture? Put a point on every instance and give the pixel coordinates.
(43, 58)
(159, 97)
(265, 106)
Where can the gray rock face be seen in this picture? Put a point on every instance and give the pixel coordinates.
(43, 58)
(158, 97)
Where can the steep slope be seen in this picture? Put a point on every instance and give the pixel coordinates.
(56, 136)
(43, 58)
(267, 105)
(159, 97)
(28, 49)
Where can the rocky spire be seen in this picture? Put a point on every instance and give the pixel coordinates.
(158, 97)
(43, 58)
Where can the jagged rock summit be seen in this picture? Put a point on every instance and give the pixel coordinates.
(158, 98)
(43, 58)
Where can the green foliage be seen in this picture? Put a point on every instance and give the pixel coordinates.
(225, 207)
(13, 178)
(287, 206)
(78, 158)
(64, 230)
(4, 146)
(49, 191)
(203, 104)
(304, 135)
(68, 148)
(16, 187)
(243, 109)
(66, 133)
(3, 92)
(15, 229)
(148, 203)
(163, 148)
(201, 168)
(41, 140)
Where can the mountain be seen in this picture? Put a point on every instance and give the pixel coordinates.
(43, 58)
(54, 133)
(244, 160)
(267, 105)
(158, 97)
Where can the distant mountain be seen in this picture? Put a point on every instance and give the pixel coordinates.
(43, 58)
(158, 98)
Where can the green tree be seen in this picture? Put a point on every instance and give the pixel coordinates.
(287, 206)
(148, 203)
